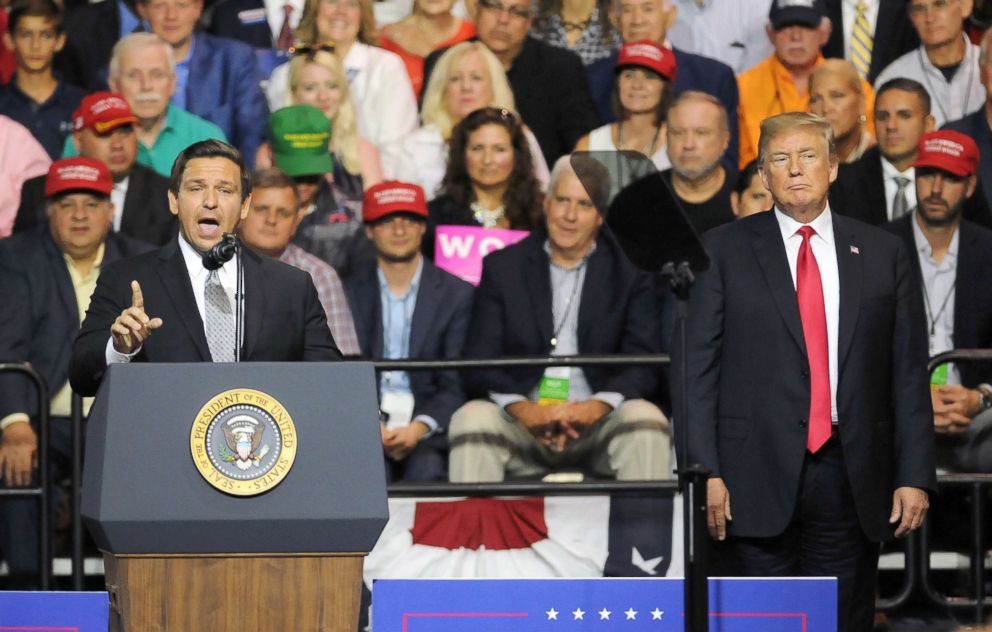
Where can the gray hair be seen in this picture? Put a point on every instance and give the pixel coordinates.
(138, 41)
(775, 126)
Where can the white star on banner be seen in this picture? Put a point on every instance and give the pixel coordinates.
(631, 614)
(656, 614)
(578, 613)
(604, 614)
(552, 614)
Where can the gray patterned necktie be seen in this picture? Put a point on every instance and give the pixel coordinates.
(900, 205)
(219, 320)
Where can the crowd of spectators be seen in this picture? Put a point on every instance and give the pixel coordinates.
(368, 137)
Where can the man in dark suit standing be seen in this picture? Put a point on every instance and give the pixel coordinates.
(406, 307)
(46, 278)
(104, 130)
(952, 263)
(564, 290)
(883, 22)
(191, 311)
(808, 396)
(879, 186)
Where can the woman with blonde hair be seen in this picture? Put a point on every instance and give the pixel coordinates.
(317, 78)
(380, 89)
(836, 93)
(467, 77)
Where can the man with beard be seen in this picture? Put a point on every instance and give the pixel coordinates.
(405, 307)
(953, 266)
(143, 71)
(697, 135)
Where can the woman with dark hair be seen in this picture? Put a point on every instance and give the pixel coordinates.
(581, 26)
(490, 178)
(642, 92)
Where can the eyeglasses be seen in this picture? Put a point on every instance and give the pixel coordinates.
(918, 9)
(310, 49)
(516, 11)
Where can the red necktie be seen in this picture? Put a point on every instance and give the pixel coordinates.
(285, 39)
(809, 290)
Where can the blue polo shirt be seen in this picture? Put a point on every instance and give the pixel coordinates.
(49, 122)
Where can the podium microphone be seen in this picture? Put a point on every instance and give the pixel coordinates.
(222, 252)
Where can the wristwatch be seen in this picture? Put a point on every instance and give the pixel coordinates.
(984, 397)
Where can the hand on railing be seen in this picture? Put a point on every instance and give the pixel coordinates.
(18, 454)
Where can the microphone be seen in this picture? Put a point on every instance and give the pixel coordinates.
(222, 252)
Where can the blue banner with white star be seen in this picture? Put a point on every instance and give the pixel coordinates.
(573, 605)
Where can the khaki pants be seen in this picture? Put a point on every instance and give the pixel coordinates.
(633, 442)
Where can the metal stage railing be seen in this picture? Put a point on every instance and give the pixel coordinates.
(917, 567)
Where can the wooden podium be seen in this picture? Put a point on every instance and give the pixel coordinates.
(184, 554)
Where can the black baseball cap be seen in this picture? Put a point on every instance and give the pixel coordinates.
(806, 13)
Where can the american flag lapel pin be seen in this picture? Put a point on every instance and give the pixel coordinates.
(855, 251)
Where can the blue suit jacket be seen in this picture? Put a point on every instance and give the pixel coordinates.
(693, 72)
(224, 88)
(38, 311)
(512, 316)
(440, 322)
(976, 125)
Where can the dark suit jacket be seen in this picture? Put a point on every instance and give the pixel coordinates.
(39, 313)
(551, 93)
(224, 89)
(91, 31)
(146, 216)
(976, 125)
(284, 321)
(440, 322)
(894, 34)
(972, 291)
(226, 21)
(694, 72)
(859, 192)
(512, 316)
(748, 383)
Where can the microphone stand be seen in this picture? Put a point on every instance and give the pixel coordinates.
(239, 297)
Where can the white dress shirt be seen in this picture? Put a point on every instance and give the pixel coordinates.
(939, 280)
(117, 195)
(198, 280)
(731, 31)
(275, 15)
(889, 173)
(825, 252)
(848, 11)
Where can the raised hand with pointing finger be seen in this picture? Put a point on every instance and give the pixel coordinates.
(133, 326)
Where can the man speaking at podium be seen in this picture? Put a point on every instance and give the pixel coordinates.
(808, 397)
(166, 306)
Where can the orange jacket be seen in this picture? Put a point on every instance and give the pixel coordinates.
(767, 90)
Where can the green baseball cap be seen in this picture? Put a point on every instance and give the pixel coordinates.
(299, 136)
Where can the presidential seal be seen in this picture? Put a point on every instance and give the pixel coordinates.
(243, 442)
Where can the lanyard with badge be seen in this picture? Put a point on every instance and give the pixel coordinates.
(555, 382)
(939, 375)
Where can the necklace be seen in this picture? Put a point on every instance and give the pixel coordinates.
(648, 149)
(485, 217)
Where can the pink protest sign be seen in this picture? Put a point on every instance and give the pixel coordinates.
(460, 249)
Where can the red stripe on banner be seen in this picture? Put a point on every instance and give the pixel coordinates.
(802, 616)
(474, 523)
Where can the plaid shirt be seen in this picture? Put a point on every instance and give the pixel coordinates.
(590, 46)
(331, 294)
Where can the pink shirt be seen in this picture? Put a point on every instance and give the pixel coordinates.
(21, 158)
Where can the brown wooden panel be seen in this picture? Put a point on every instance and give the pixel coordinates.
(234, 594)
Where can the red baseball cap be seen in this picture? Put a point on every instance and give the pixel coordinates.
(102, 112)
(73, 174)
(391, 197)
(647, 54)
(950, 151)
